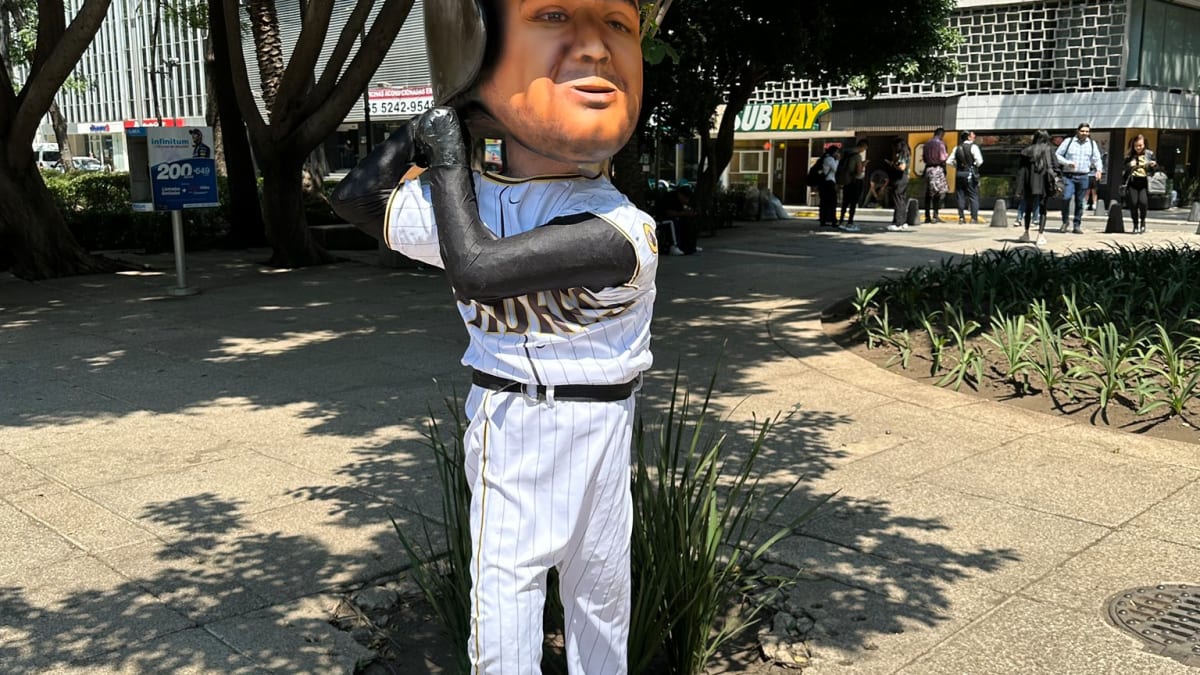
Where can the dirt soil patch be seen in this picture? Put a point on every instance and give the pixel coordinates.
(841, 326)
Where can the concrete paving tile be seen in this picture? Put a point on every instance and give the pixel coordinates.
(1025, 636)
(999, 414)
(340, 536)
(1174, 519)
(161, 383)
(66, 351)
(854, 631)
(1067, 479)
(208, 498)
(959, 537)
(36, 403)
(792, 387)
(1123, 560)
(1133, 445)
(201, 582)
(81, 521)
(137, 444)
(249, 422)
(938, 590)
(189, 652)
(26, 544)
(16, 475)
(295, 637)
(910, 459)
(891, 383)
(72, 610)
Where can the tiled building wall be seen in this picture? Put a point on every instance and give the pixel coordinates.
(1029, 48)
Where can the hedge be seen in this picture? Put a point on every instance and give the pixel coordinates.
(96, 209)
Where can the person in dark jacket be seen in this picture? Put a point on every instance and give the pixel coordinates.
(1035, 177)
(1139, 166)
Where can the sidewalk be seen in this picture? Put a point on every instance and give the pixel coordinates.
(187, 484)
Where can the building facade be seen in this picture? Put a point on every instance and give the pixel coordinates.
(1123, 66)
(127, 82)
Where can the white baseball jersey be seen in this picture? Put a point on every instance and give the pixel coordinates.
(554, 337)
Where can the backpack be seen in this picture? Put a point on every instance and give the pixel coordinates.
(964, 160)
(816, 174)
(842, 176)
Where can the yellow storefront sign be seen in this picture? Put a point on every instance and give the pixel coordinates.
(781, 116)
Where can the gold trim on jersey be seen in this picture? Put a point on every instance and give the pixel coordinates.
(549, 178)
(636, 270)
(483, 495)
(387, 214)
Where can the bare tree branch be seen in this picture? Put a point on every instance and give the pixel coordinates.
(354, 26)
(375, 45)
(659, 12)
(255, 123)
(52, 22)
(299, 72)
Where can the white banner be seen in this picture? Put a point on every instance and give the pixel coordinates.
(399, 101)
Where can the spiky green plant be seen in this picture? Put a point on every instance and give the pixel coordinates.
(441, 561)
(1012, 339)
(701, 526)
(1174, 371)
(1105, 366)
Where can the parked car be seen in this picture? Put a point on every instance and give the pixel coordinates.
(87, 164)
(47, 155)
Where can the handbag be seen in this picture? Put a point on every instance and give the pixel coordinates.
(1056, 185)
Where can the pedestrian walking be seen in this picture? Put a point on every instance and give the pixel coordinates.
(827, 187)
(1139, 166)
(897, 186)
(852, 169)
(936, 186)
(1081, 159)
(967, 159)
(1035, 173)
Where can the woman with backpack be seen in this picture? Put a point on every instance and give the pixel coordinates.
(1037, 180)
(1139, 166)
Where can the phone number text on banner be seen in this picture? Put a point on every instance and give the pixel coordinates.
(414, 106)
(184, 184)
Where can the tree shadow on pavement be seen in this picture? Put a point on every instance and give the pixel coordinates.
(252, 443)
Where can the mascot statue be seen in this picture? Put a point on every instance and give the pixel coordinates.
(553, 273)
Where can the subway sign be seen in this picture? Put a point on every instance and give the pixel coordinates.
(781, 116)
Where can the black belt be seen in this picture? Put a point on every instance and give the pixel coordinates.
(562, 392)
(1080, 173)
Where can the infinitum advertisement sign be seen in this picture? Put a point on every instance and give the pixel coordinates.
(183, 173)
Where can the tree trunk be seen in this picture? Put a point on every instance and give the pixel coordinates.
(283, 210)
(32, 232)
(627, 173)
(246, 228)
(719, 151)
(59, 122)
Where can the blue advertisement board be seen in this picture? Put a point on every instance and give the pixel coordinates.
(183, 173)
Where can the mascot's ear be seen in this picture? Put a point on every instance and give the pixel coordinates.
(456, 35)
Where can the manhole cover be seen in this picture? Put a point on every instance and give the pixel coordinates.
(1166, 617)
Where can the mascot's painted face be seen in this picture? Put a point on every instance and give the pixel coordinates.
(567, 84)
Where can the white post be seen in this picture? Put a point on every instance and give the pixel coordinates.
(181, 287)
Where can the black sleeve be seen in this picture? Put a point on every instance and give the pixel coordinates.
(362, 196)
(582, 251)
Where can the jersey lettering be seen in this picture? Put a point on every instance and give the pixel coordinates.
(560, 312)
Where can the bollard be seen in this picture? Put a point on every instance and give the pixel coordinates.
(1116, 220)
(1194, 214)
(1000, 214)
(914, 209)
(1101, 207)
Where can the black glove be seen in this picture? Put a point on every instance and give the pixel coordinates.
(440, 139)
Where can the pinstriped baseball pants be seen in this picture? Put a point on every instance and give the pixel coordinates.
(550, 486)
